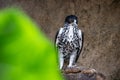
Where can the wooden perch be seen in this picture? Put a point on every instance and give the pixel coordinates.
(82, 74)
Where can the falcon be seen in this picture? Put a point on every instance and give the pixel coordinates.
(69, 42)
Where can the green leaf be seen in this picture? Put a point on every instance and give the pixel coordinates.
(25, 53)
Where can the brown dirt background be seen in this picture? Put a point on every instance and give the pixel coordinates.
(98, 19)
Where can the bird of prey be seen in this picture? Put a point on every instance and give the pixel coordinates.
(69, 42)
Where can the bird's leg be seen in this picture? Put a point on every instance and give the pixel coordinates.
(72, 60)
(61, 61)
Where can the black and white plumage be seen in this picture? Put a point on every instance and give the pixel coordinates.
(69, 41)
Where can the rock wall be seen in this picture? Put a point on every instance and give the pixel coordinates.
(98, 19)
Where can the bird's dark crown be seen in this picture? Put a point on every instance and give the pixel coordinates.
(70, 19)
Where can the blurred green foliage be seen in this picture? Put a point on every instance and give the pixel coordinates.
(25, 53)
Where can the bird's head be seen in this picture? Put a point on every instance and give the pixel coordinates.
(71, 19)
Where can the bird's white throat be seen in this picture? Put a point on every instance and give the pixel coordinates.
(70, 33)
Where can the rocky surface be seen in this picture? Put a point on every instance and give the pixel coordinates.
(98, 19)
